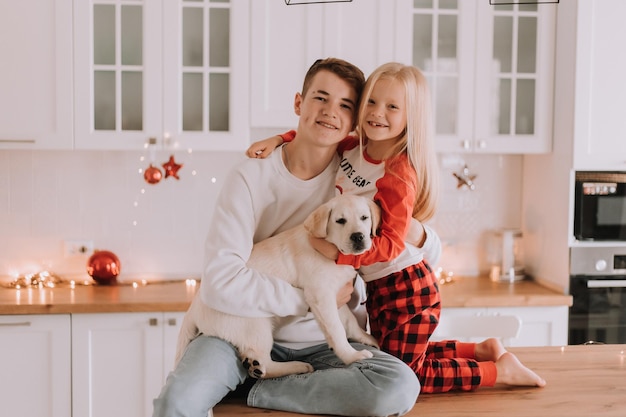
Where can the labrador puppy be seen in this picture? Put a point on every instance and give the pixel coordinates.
(348, 222)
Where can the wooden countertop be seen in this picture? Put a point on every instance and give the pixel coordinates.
(582, 381)
(482, 292)
(170, 296)
(177, 295)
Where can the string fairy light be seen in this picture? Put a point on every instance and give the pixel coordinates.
(153, 175)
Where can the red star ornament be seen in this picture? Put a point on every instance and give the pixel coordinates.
(171, 168)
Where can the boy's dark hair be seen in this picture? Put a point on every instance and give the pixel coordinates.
(343, 69)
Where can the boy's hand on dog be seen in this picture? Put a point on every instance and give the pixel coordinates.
(345, 294)
(331, 252)
(324, 247)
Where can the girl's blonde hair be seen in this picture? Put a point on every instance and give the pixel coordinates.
(417, 142)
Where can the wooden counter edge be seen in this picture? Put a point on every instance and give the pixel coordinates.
(151, 307)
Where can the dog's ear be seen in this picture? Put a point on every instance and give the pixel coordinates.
(317, 222)
(375, 214)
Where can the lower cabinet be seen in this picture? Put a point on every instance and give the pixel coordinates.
(120, 361)
(541, 326)
(35, 366)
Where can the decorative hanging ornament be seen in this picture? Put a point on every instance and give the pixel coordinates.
(171, 168)
(152, 174)
(465, 179)
(104, 267)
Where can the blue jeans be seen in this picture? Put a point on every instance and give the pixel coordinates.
(211, 368)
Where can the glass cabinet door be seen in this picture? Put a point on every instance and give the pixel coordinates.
(444, 53)
(205, 74)
(117, 73)
(515, 72)
(164, 69)
(490, 70)
(118, 67)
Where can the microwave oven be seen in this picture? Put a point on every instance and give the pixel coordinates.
(600, 206)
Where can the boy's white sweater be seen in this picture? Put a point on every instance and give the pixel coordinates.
(259, 199)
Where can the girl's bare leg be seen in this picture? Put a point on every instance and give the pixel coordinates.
(489, 350)
(512, 372)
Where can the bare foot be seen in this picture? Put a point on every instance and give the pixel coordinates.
(489, 350)
(512, 372)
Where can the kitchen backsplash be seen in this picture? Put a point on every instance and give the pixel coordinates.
(158, 231)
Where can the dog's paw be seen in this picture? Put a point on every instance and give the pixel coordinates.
(364, 354)
(255, 368)
(306, 368)
(356, 356)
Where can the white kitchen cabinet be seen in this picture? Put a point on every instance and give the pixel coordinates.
(600, 125)
(36, 74)
(541, 326)
(491, 71)
(35, 365)
(173, 70)
(287, 39)
(120, 361)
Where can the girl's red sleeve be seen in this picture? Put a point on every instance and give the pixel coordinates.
(396, 196)
(288, 136)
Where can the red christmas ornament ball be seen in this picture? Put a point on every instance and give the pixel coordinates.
(152, 174)
(104, 267)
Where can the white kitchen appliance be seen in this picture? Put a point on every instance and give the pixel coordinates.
(507, 256)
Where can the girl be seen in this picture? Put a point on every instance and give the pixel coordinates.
(393, 161)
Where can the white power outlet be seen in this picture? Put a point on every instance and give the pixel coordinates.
(78, 247)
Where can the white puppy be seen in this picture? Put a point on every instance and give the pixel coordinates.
(346, 221)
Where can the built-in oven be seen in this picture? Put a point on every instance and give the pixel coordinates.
(598, 289)
(600, 206)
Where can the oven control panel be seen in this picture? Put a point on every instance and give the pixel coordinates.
(589, 260)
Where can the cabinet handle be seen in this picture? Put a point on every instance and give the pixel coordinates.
(17, 140)
(171, 321)
(482, 144)
(465, 144)
(18, 324)
(153, 322)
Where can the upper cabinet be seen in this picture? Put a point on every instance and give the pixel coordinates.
(599, 117)
(287, 39)
(490, 70)
(198, 74)
(173, 70)
(36, 74)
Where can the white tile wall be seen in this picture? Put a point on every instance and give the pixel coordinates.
(47, 197)
(467, 219)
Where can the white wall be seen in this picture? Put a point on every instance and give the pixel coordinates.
(466, 219)
(547, 192)
(49, 196)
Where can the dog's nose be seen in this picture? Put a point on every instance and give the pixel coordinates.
(357, 237)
